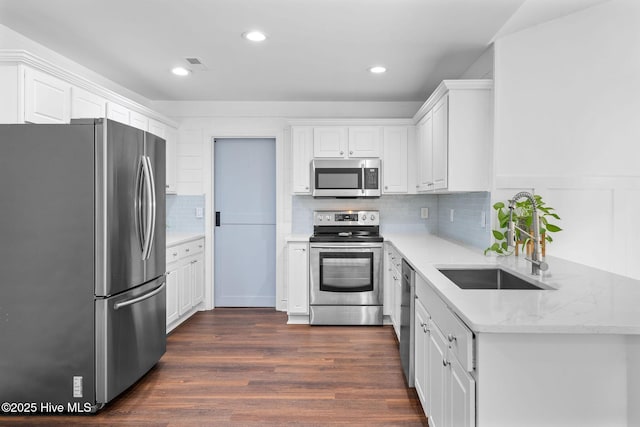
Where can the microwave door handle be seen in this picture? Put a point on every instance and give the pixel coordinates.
(364, 179)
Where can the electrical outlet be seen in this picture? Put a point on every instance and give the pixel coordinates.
(483, 219)
(451, 211)
(199, 212)
(424, 213)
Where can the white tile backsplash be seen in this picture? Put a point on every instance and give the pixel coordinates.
(401, 214)
(181, 213)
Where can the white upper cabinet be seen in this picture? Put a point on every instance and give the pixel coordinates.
(364, 141)
(395, 144)
(440, 143)
(139, 121)
(330, 141)
(391, 143)
(347, 142)
(171, 139)
(86, 105)
(46, 98)
(454, 137)
(118, 113)
(301, 156)
(424, 131)
(157, 128)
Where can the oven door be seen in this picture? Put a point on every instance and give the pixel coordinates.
(345, 274)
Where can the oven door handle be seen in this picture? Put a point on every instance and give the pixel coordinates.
(350, 246)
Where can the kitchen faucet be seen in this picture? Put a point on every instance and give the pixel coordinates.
(536, 258)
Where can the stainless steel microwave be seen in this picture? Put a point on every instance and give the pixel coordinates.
(346, 178)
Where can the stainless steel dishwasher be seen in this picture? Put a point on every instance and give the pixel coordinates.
(407, 311)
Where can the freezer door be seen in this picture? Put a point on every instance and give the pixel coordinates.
(154, 150)
(130, 337)
(119, 161)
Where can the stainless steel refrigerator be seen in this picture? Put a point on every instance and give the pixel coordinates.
(82, 261)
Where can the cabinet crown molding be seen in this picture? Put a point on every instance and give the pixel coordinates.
(447, 86)
(351, 122)
(24, 57)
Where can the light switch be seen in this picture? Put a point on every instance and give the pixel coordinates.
(424, 213)
(451, 215)
(199, 212)
(483, 219)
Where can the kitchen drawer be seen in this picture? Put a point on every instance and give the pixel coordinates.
(194, 247)
(174, 253)
(177, 252)
(459, 336)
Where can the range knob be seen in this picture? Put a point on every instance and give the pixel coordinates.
(364, 217)
(328, 217)
(373, 217)
(319, 217)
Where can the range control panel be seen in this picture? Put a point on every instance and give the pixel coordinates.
(346, 218)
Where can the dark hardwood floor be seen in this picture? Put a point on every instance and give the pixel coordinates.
(247, 367)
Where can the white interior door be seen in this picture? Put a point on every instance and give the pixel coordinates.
(245, 232)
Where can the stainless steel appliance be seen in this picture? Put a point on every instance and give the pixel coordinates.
(407, 311)
(82, 261)
(345, 268)
(347, 178)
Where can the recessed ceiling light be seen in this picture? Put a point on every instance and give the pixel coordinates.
(180, 71)
(378, 69)
(255, 36)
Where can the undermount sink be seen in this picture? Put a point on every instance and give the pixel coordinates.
(487, 278)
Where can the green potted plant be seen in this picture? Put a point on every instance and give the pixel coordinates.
(523, 217)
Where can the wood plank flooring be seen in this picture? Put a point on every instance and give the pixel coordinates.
(247, 367)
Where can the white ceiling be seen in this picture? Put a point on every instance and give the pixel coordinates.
(317, 50)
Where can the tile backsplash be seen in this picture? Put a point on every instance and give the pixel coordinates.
(397, 213)
(181, 213)
(469, 225)
(402, 214)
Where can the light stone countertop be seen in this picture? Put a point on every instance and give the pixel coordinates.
(581, 299)
(177, 238)
(297, 238)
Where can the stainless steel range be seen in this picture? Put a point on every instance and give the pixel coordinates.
(346, 268)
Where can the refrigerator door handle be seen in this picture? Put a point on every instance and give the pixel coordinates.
(152, 199)
(149, 211)
(136, 300)
(139, 203)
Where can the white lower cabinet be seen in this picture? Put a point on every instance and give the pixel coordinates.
(185, 281)
(297, 279)
(443, 362)
(392, 286)
(421, 345)
(172, 294)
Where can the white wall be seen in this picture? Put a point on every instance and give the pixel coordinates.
(212, 120)
(567, 99)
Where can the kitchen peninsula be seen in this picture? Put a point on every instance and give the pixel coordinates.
(566, 355)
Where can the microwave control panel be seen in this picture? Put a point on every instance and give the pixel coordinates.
(371, 179)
